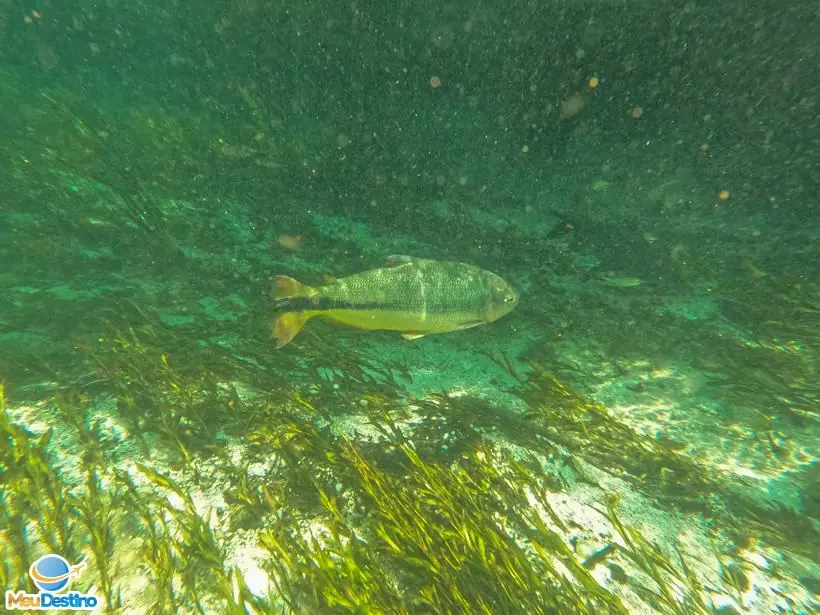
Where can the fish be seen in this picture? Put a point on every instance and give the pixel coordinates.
(623, 282)
(414, 296)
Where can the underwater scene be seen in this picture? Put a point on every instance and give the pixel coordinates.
(410, 307)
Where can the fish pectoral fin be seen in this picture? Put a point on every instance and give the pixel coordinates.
(287, 325)
(469, 324)
(412, 335)
(396, 260)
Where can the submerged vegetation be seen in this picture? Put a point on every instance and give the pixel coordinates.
(185, 491)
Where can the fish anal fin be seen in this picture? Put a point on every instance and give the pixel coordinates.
(287, 325)
(412, 335)
(395, 260)
(285, 287)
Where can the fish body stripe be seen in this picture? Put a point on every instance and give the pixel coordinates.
(329, 304)
(422, 288)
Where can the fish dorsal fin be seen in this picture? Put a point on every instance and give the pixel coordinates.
(396, 260)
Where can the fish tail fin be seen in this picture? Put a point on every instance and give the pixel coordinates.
(287, 325)
(288, 288)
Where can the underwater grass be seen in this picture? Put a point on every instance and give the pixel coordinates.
(423, 537)
(398, 520)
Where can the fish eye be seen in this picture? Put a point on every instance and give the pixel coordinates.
(509, 298)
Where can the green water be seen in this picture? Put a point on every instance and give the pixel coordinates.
(638, 436)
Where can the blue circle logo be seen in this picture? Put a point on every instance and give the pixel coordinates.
(51, 573)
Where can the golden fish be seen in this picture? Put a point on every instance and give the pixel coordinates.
(412, 295)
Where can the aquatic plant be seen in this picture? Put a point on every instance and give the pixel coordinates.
(440, 504)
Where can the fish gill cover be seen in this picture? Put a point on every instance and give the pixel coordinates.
(638, 436)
